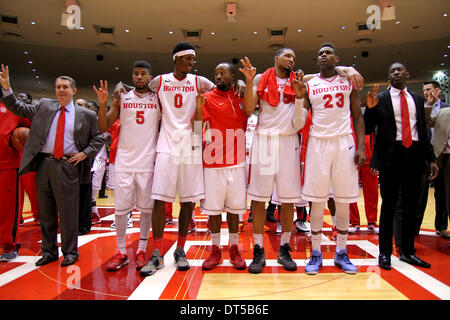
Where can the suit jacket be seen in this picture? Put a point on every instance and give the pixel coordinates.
(382, 118)
(441, 125)
(86, 134)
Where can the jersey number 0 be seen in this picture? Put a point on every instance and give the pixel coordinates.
(178, 101)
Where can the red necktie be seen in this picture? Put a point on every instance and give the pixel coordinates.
(406, 128)
(58, 150)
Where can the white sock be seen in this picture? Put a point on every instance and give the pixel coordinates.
(215, 238)
(342, 216)
(316, 220)
(258, 239)
(316, 240)
(145, 222)
(94, 210)
(285, 238)
(234, 238)
(121, 230)
(341, 241)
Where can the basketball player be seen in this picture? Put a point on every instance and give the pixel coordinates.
(331, 156)
(275, 149)
(139, 113)
(224, 163)
(178, 166)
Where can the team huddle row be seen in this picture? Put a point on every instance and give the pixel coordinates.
(193, 144)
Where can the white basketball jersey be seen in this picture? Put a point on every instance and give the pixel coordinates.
(276, 120)
(139, 125)
(177, 98)
(330, 103)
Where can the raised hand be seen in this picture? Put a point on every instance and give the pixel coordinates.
(200, 99)
(432, 97)
(248, 70)
(372, 99)
(102, 92)
(298, 85)
(4, 78)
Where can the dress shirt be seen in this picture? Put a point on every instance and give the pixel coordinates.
(69, 141)
(395, 96)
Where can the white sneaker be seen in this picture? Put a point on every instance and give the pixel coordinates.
(113, 225)
(353, 229)
(301, 226)
(279, 229)
(130, 220)
(373, 228)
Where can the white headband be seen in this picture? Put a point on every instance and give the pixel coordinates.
(183, 53)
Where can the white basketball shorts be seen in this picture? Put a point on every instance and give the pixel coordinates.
(275, 159)
(329, 165)
(224, 190)
(133, 190)
(172, 176)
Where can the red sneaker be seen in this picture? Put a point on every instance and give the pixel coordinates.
(140, 260)
(214, 259)
(117, 262)
(236, 259)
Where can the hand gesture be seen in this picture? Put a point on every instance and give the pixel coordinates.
(4, 78)
(200, 99)
(298, 85)
(249, 71)
(432, 97)
(102, 93)
(372, 99)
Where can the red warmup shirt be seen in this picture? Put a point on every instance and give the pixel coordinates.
(114, 131)
(9, 157)
(223, 112)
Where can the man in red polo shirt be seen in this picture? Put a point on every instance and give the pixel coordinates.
(223, 162)
(9, 164)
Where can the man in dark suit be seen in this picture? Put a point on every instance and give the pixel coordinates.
(401, 154)
(61, 145)
(431, 91)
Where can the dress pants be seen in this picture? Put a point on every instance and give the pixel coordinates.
(403, 173)
(85, 218)
(440, 189)
(58, 187)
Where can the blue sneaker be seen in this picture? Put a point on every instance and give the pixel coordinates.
(315, 263)
(9, 255)
(342, 261)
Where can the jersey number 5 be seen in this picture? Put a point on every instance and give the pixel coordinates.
(329, 98)
(178, 101)
(140, 117)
